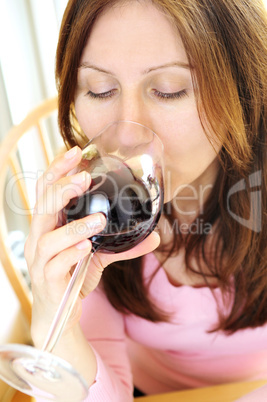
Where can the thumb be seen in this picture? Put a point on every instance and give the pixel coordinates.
(100, 261)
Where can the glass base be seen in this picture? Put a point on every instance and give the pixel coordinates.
(41, 374)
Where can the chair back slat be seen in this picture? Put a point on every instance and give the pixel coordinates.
(12, 161)
(17, 280)
(17, 172)
(45, 144)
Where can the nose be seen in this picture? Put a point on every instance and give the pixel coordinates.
(132, 107)
(132, 134)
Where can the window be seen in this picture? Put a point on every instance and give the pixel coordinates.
(28, 38)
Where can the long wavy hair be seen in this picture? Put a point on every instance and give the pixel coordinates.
(226, 45)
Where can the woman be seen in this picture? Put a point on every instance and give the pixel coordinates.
(192, 312)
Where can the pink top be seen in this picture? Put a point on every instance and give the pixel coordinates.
(169, 356)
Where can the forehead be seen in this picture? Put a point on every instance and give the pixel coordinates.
(134, 30)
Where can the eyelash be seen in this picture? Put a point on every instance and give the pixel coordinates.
(161, 95)
(171, 96)
(102, 95)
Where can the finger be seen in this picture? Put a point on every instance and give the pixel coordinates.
(61, 165)
(101, 260)
(54, 199)
(58, 268)
(146, 246)
(52, 243)
(59, 194)
(53, 279)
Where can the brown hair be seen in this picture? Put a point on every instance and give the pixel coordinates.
(226, 44)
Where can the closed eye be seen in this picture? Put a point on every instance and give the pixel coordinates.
(170, 95)
(101, 95)
(159, 94)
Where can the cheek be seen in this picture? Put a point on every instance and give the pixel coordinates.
(183, 133)
(188, 151)
(91, 120)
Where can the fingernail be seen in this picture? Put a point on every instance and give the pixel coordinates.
(71, 153)
(82, 244)
(80, 177)
(98, 221)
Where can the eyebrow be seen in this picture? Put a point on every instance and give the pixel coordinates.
(93, 67)
(149, 70)
(172, 64)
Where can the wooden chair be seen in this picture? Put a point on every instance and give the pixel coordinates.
(11, 176)
(37, 130)
(218, 393)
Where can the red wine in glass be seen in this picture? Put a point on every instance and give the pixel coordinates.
(132, 206)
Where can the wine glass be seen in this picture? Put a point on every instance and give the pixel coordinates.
(125, 164)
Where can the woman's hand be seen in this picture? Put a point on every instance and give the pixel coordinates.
(52, 250)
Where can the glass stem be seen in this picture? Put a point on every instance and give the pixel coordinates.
(67, 303)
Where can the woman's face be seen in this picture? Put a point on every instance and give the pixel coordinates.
(134, 67)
